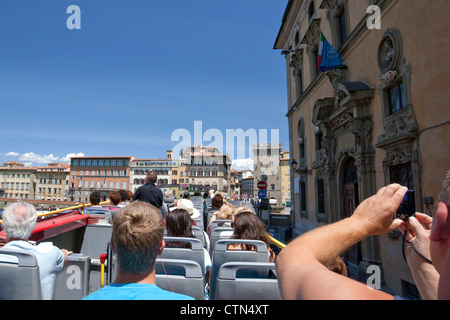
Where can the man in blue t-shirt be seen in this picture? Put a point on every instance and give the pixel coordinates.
(137, 239)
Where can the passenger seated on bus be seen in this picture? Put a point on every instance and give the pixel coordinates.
(137, 239)
(216, 204)
(94, 198)
(179, 224)
(225, 213)
(246, 225)
(19, 220)
(187, 205)
(115, 198)
(126, 196)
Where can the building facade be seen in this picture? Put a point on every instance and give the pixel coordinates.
(207, 167)
(381, 117)
(52, 182)
(285, 174)
(162, 167)
(17, 181)
(104, 174)
(267, 168)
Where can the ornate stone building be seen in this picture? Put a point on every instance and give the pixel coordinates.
(381, 117)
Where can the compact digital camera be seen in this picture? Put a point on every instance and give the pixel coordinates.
(407, 208)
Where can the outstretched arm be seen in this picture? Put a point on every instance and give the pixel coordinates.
(300, 266)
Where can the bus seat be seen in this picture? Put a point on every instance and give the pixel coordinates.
(231, 285)
(198, 232)
(217, 234)
(184, 276)
(72, 282)
(19, 275)
(221, 255)
(96, 238)
(195, 253)
(218, 223)
(199, 222)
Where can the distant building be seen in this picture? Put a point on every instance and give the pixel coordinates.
(267, 168)
(52, 182)
(248, 187)
(163, 167)
(206, 167)
(98, 173)
(17, 181)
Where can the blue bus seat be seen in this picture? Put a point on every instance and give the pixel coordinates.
(19, 275)
(222, 254)
(183, 276)
(231, 285)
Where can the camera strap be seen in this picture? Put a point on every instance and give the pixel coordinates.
(412, 246)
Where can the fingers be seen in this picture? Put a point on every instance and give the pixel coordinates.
(396, 192)
(416, 227)
(425, 219)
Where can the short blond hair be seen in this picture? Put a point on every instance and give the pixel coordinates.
(226, 212)
(137, 233)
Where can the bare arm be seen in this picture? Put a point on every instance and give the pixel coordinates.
(300, 266)
(425, 275)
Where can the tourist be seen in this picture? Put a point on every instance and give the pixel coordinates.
(19, 220)
(137, 239)
(149, 192)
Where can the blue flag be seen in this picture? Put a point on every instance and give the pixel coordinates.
(328, 58)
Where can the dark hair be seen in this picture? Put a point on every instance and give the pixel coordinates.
(247, 225)
(95, 197)
(115, 197)
(123, 195)
(179, 224)
(217, 201)
(152, 176)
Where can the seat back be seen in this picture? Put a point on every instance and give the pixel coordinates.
(231, 285)
(180, 276)
(217, 234)
(195, 253)
(218, 223)
(199, 222)
(72, 282)
(198, 232)
(222, 254)
(19, 275)
(101, 211)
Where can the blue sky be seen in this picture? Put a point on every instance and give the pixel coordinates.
(135, 72)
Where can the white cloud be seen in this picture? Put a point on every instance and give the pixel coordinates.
(11, 154)
(32, 157)
(242, 164)
(71, 155)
